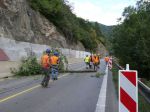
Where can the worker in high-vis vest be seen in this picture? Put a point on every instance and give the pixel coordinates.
(87, 61)
(45, 63)
(54, 60)
(91, 62)
(95, 62)
(98, 56)
(106, 59)
(92, 58)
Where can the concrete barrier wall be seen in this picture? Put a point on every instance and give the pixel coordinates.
(16, 50)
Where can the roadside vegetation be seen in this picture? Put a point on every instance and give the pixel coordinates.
(131, 38)
(75, 29)
(30, 66)
(144, 106)
(98, 74)
(131, 43)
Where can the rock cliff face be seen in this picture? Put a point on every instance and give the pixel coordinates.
(19, 22)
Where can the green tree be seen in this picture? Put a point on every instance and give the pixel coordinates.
(131, 40)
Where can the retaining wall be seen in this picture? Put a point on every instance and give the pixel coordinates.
(16, 50)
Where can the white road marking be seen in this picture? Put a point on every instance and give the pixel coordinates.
(101, 103)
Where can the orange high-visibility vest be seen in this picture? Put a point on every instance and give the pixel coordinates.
(92, 58)
(106, 59)
(45, 61)
(96, 59)
(54, 60)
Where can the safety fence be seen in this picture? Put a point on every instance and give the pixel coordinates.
(142, 88)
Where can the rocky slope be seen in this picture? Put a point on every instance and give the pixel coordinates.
(18, 21)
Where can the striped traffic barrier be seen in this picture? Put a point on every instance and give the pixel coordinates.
(110, 63)
(128, 91)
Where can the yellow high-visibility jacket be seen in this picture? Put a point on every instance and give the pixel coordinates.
(87, 59)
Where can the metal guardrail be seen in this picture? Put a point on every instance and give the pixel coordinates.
(142, 88)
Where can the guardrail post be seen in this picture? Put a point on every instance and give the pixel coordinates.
(127, 67)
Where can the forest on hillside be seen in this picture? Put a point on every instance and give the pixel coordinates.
(131, 38)
(107, 30)
(59, 12)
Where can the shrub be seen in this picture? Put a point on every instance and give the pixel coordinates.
(29, 66)
(63, 63)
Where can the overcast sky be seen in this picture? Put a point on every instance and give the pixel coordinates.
(102, 11)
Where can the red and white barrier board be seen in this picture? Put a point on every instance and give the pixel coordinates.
(110, 63)
(128, 91)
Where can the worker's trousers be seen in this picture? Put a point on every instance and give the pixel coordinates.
(54, 71)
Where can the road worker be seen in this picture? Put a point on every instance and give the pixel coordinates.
(106, 59)
(92, 60)
(54, 60)
(87, 61)
(95, 62)
(45, 63)
(98, 56)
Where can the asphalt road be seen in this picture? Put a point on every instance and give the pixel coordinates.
(76, 92)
